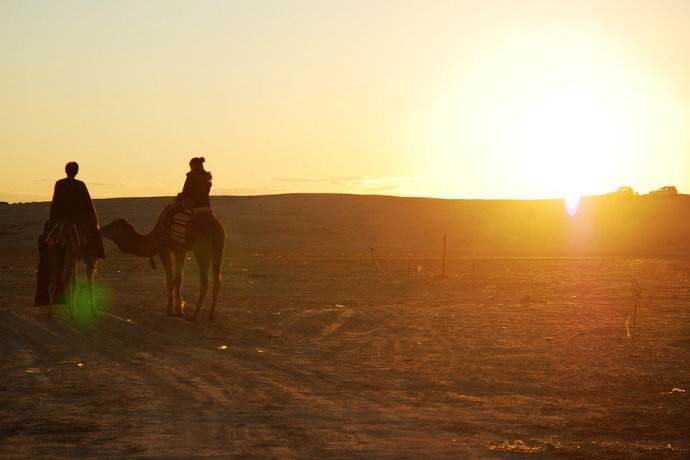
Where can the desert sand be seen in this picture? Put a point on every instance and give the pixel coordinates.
(336, 337)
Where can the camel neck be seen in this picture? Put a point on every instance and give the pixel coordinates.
(147, 245)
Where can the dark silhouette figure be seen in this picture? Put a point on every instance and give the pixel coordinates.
(72, 202)
(197, 186)
(192, 202)
(70, 235)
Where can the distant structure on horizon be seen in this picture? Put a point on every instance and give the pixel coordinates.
(628, 192)
(666, 190)
(623, 192)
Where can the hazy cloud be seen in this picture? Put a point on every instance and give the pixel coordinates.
(350, 184)
(317, 180)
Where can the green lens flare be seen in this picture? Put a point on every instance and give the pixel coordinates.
(82, 304)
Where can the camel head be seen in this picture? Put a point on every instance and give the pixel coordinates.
(123, 234)
(117, 230)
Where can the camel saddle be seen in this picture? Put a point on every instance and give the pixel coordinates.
(57, 233)
(180, 220)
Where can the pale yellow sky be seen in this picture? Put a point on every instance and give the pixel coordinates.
(492, 99)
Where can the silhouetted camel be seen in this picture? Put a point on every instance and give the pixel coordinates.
(64, 252)
(205, 236)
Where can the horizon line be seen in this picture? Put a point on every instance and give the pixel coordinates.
(353, 194)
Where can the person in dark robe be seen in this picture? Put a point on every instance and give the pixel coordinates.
(197, 186)
(71, 202)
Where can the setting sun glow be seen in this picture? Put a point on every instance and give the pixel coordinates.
(569, 141)
(513, 100)
(553, 113)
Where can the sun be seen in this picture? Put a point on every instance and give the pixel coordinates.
(568, 142)
(546, 114)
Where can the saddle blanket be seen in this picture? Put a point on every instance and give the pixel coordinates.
(64, 232)
(178, 227)
(57, 235)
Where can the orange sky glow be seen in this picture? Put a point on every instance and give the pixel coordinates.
(461, 99)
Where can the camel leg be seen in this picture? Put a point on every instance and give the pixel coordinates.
(166, 260)
(52, 283)
(67, 292)
(179, 259)
(216, 290)
(71, 298)
(73, 285)
(51, 297)
(90, 269)
(203, 262)
(217, 259)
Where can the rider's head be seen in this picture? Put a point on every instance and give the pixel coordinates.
(197, 163)
(71, 168)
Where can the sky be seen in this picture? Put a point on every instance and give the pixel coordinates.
(454, 99)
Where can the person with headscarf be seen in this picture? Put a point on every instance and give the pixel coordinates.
(197, 186)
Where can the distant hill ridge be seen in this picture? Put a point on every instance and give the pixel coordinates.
(340, 225)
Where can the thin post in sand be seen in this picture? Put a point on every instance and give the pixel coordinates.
(375, 263)
(443, 258)
(637, 296)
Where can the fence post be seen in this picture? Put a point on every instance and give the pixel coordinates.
(443, 260)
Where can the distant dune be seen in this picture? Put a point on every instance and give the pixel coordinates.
(335, 225)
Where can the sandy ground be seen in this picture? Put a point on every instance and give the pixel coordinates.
(327, 357)
(343, 359)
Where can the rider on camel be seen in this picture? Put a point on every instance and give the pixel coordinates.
(197, 186)
(192, 201)
(72, 202)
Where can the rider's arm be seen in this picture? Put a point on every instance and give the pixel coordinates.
(53, 204)
(91, 210)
